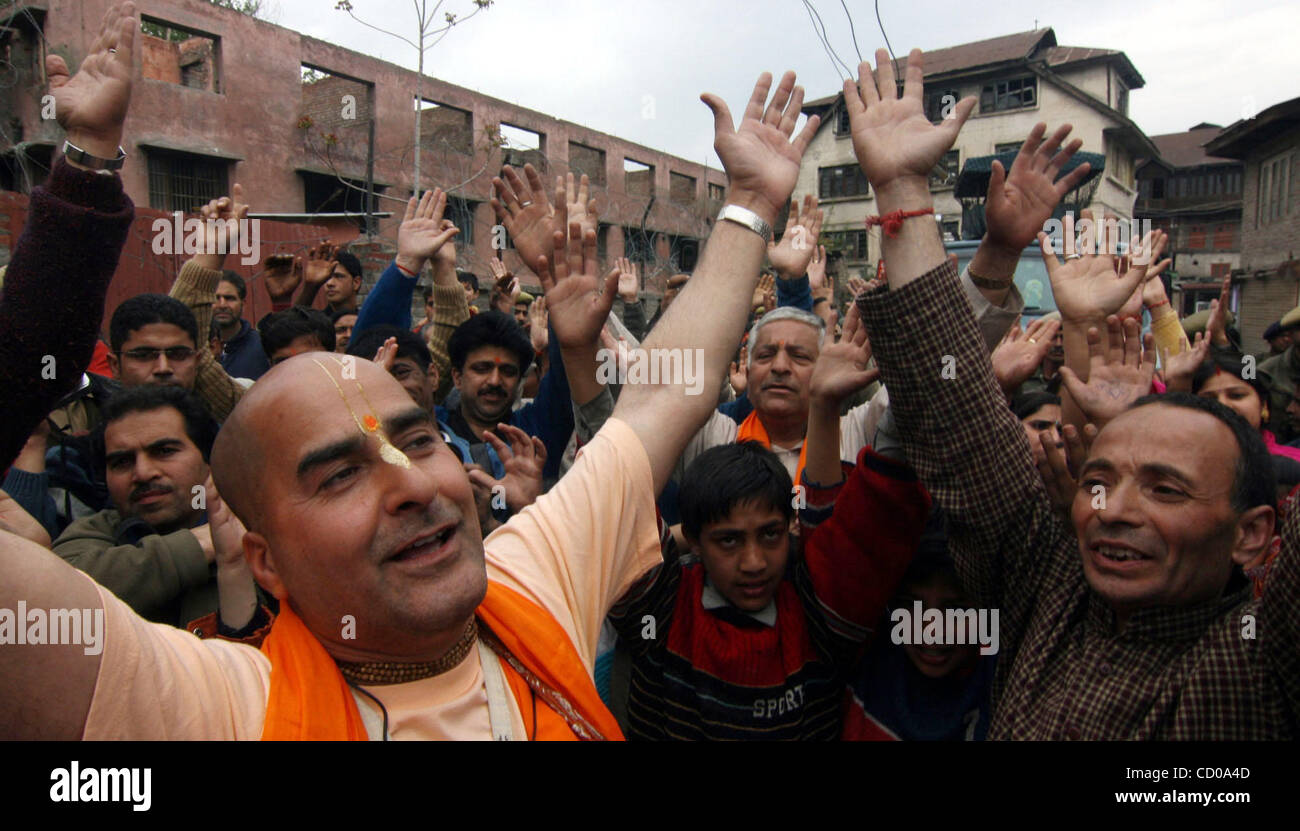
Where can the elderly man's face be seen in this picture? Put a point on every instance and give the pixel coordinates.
(781, 367)
(350, 532)
(1164, 531)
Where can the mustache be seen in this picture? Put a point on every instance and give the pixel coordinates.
(488, 390)
(438, 512)
(141, 491)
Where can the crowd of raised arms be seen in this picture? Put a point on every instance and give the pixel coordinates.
(906, 518)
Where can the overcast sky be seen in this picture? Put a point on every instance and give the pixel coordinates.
(599, 63)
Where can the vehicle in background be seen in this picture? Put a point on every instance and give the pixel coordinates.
(1031, 277)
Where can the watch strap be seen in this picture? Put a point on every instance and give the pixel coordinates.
(746, 217)
(75, 154)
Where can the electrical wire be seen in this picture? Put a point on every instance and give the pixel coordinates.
(892, 56)
(819, 29)
(856, 48)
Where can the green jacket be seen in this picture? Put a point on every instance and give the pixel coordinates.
(1284, 371)
(165, 578)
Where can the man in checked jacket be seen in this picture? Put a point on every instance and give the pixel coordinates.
(1136, 623)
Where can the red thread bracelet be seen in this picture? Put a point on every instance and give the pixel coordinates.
(893, 222)
(1157, 305)
(403, 270)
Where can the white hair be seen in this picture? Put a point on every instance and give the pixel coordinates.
(785, 313)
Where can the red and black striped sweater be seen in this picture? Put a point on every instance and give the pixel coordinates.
(719, 674)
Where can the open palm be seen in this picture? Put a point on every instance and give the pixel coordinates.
(577, 299)
(94, 101)
(892, 136)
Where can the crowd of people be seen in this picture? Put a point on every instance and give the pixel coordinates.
(343, 523)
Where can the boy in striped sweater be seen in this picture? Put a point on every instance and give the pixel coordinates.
(751, 634)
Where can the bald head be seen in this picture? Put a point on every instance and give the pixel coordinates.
(258, 422)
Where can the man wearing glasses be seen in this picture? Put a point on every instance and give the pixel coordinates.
(154, 340)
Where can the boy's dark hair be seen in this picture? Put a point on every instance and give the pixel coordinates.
(349, 261)
(279, 329)
(491, 328)
(724, 477)
(468, 278)
(138, 312)
(1255, 482)
(146, 398)
(241, 288)
(341, 313)
(1027, 403)
(409, 344)
(214, 329)
(1229, 360)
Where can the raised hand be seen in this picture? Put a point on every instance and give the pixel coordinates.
(766, 285)
(236, 590)
(575, 205)
(1217, 324)
(1118, 374)
(817, 269)
(1020, 353)
(499, 269)
(1019, 202)
(856, 286)
(537, 325)
(91, 105)
(386, 354)
(1153, 290)
(1181, 368)
(423, 232)
(1087, 286)
(761, 161)
(320, 264)
(222, 220)
(798, 244)
(577, 299)
(739, 372)
(524, 459)
(503, 294)
(1059, 469)
(629, 284)
(522, 207)
(841, 368)
(283, 275)
(895, 142)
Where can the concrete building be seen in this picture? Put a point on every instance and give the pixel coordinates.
(1196, 199)
(1019, 79)
(306, 126)
(1267, 279)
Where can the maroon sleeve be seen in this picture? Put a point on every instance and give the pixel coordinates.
(54, 293)
(858, 555)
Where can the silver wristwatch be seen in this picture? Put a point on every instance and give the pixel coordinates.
(74, 153)
(746, 217)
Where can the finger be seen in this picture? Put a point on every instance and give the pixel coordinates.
(480, 478)
(584, 192)
(562, 192)
(536, 191)
(886, 81)
(544, 275)
(1078, 389)
(1132, 343)
(1029, 150)
(516, 191)
(504, 451)
(997, 178)
(805, 136)
(772, 115)
(722, 121)
(410, 210)
(1061, 159)
(950, 127)
(539, 451)
(1148, 351)
(791, 115)
(1049, 254)
(573, 250)
(1055, 461)
(1072, 179)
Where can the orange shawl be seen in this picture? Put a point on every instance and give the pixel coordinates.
(752, 429)
(310, 700)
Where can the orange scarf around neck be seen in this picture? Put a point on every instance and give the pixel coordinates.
(752, 429)
(310, 700)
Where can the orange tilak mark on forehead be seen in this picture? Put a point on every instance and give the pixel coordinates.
(371, 423)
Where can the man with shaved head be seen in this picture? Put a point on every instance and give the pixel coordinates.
(396, 620)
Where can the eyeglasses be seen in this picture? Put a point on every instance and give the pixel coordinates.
(148, 354)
